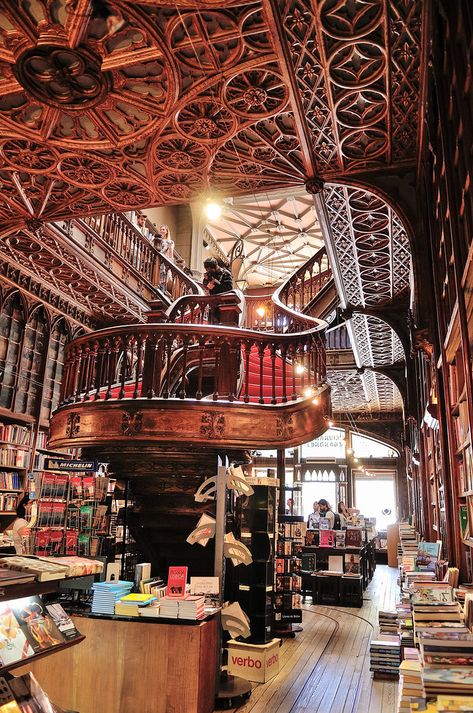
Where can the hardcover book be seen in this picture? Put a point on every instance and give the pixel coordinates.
(327, 538)
(353, 537)
(63, 621)
(340, 538)
(352, 564)
(177, 579)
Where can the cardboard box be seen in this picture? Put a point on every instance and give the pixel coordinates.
(255, 662)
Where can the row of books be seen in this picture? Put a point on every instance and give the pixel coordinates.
(87, 516)
(351, 537)
(62, 486)
(48, 542)
(8, 502)
(14, 457)
(46, 569)
(10, 480)
(11, 432)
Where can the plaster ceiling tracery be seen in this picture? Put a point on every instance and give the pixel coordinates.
(377, 343)
(369, 392)
(279, 233)
(183, 98)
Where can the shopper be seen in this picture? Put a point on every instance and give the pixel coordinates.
(216, 281)
(326, 511)
(167, 243)
(314, 517)
(20, 528)
(290, 507)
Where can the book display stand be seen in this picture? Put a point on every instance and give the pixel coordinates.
(71, 517)
(288, 582)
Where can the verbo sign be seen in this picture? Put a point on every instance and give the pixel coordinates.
(249, 662)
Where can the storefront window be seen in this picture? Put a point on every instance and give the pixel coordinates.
(376, 498)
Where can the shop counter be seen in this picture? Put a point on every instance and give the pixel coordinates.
(135, 665)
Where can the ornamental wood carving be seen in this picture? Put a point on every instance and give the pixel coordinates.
(242, 97)
(180, 424)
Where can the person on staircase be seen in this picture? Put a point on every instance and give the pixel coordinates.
(216, 281)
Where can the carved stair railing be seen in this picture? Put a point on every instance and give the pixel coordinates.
(310, 290)
(118, 234)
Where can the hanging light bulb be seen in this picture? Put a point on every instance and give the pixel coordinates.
(260, 311)
(315, 401)
(308, 393)
(350, 451)
(299, 369)
(330, 423)
(213, 209)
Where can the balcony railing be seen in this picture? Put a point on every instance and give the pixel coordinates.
(118, 234)
(168, 361)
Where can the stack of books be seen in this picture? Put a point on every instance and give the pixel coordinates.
(388, 623)
(130, 604)
(454, 704)
(456, 681)
(192, 607)
(385, 657)
(106, 594)
(411, 689)
(169, 608)
(446, 649)
(447, 613)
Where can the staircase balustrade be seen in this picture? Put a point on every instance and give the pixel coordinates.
(120, 235)
(192, 361)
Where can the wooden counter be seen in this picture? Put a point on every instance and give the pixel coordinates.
(125, 666)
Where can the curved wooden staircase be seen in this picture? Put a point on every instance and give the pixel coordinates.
(161, 401)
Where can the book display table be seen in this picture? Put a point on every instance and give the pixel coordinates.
(146, 666)
(330, 589)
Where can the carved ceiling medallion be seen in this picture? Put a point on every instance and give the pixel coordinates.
(63, 77)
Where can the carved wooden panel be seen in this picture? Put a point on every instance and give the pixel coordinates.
(244, 97)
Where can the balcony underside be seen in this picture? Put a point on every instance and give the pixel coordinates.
(205, 424)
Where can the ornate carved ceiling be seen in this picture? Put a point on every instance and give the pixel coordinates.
(242, 98)
(53, 270)
(280, 231)
(370, 259)
(366, 393)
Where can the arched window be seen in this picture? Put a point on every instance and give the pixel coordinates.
(12, 324)
(33, 356)
(54, 369)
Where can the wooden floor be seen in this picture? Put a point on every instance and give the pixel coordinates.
(325, 668)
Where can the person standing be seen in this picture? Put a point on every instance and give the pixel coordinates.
(314, 517)
(167, 243)
(325, 510)
(217, 280)
(20, 528)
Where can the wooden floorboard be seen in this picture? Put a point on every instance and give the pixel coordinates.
(325, 668)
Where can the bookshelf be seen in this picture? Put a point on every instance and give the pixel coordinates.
(288, 580)
(15, 457)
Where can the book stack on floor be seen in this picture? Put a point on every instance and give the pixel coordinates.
(406, 625)
(433, 608)
(411, 689)
(106, 594)
(132, 604)
(454, 704)
(388, 623)
(447, 659)
(385, 657)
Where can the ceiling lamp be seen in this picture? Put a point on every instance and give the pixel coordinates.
(315, 401)
(308, 393)
(299, 369)
(213, 209)
(260, 311)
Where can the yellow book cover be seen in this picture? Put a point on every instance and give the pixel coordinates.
(136, 598)
(455, 703)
